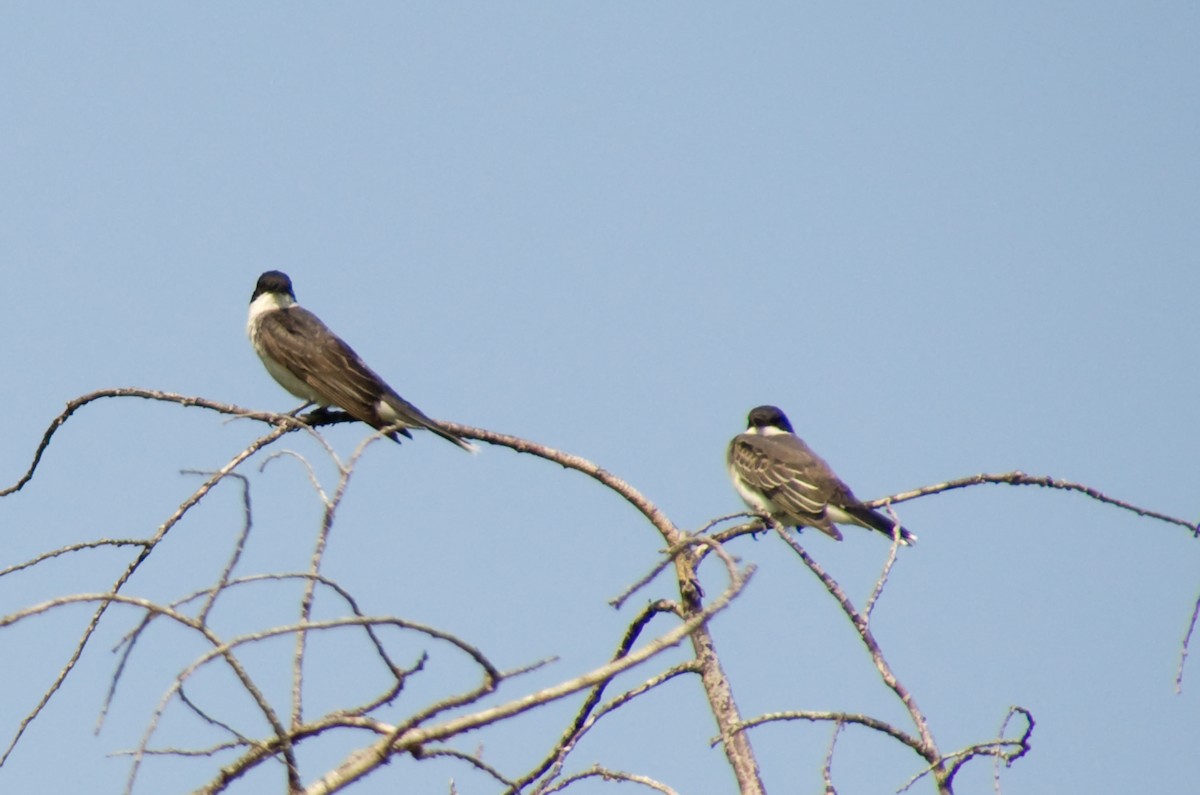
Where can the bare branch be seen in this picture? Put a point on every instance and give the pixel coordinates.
(240, 740)
(147, 548)
(1023, 741)
(827, 765)
(1187, 642)
(285, 737)
(238, 547)
(928, 749)
(571, 735)
(223, 650)
(1018, 478)
(634, 497)
(836, 717)
(54, 553)
(716, 684)
(407, 736)
(887, 566)
(612, 775)
(565, 748)
(284, 421)
(471, 759)
(417, 734)
(1006, 750)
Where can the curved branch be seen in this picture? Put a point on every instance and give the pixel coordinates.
(717, 688)
(716, 683)
(928, 748)
(612, 775)
(1186, 645)
(147, 548)
(473, 761)
(228, 584)
(836, 717)
(222, 650)
(279, 420)
(571, 736)
(1008, 750)
(564, 748)
(405, 739)
(631, 495)
(54, 553)
(1019, 478)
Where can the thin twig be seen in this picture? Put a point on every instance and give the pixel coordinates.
(814, 716)
(471, 759)
(827, 766)
(1187, 642)
(279, 420)
(369, 759)
(1019, 478)
(887, 566)
(239, 546)
(54, 553)
(928, 749)
(572, 733)
(717, 688)
(612, 775)
(686, 667)
(151, 543)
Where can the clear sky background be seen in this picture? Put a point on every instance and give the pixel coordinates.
(946, 238)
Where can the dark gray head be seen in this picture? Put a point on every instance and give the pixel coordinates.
(273, 282)
(768, 417)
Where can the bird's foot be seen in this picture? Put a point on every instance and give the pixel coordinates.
(296, 411)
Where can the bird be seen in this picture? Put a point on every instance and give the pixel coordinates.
(776, 473)
(313, 363)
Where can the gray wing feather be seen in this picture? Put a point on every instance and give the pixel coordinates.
(336, 373)
(331, 369)
(796, 480)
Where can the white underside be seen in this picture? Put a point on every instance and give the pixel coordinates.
(288, 381)
(754, 499)
(749, 496)
(270, 302)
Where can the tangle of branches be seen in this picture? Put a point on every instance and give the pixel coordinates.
(491, 696)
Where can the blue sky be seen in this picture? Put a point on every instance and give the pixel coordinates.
(945, 238)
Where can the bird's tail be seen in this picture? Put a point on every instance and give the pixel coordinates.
(878, 521)
(445, 434)
(393, 431)
(406, 414)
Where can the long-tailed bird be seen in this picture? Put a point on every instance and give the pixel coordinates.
(313, 363)
(777, 473)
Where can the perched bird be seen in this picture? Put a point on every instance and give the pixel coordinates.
(313, 363)
(775, 472)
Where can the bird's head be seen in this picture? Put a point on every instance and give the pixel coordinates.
(768, 419)
(277, 284)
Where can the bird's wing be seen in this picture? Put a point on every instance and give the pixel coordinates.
(794, 478)
(845, 507)
(299, 341)
(338, 375)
